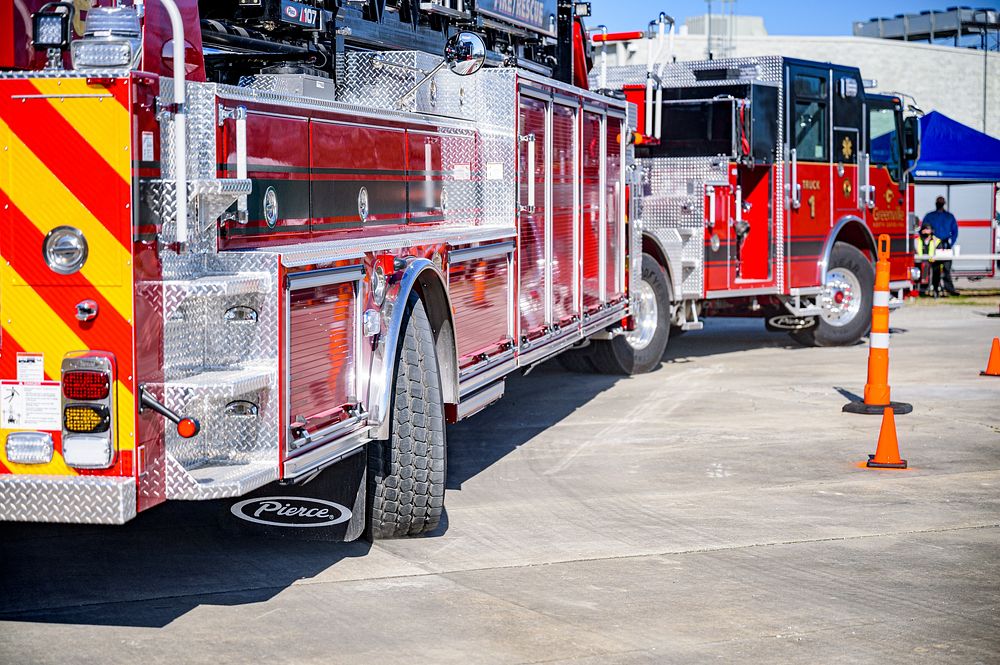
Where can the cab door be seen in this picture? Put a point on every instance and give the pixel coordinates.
(808, 171)
(849, 155)
(884, 197)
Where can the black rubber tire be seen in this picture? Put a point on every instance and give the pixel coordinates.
(577, 360)
(406, 473)
(617, 356)
(823, 334)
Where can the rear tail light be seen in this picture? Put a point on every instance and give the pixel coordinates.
(86, 385)
(88, 410)
(86, 418)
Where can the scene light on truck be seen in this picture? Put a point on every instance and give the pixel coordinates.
(112, 39)
(29, 447)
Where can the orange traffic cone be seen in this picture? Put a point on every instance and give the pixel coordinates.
(887, 453)
(877, 388)
(993, 365)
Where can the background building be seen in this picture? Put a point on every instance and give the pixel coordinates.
(961, 82)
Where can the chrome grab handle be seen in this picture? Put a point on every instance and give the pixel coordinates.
(530, 140)
(867, 190)
(710, 190)
(795, 189)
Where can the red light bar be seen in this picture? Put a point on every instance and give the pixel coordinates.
(86, 385)
(618, 37)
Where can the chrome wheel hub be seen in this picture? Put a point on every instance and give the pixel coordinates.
(646, 316)
(841, 298)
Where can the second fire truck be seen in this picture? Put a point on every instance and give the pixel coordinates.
(765, 182)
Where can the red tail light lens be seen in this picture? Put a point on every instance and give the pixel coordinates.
(86, 385)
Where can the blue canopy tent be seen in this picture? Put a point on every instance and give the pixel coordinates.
(953, 152)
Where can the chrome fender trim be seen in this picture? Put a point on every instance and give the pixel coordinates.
(383, 366)
(843, 223)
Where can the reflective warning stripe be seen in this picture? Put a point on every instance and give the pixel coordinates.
(98, 129)
(48, 203)
(881, 299)
(879, 340)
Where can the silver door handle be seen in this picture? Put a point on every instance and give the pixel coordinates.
(794, 188)
(530, 140)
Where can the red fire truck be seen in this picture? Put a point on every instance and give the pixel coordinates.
(244, 241)
(765, 182)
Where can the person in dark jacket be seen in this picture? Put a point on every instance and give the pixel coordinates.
(945, 228)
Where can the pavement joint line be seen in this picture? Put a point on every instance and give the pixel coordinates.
(4, 616)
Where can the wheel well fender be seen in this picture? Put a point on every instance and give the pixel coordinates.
(422, 278)
(853, 231)
(652, 246)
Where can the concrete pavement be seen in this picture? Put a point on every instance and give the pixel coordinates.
(710, 511)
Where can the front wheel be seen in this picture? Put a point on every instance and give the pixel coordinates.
(406, 472)
(640, 350)
(846, 300)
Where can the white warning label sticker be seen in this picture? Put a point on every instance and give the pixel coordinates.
(31, 367)
(494, 171)
(32, 406)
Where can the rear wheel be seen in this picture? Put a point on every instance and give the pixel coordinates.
(640, 350)
(406, 472)
(846, 301)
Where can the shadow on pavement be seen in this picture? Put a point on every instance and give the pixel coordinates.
(150, 571)
(723, 335)
(177, 557)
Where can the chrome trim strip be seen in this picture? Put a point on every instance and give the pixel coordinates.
(480, 400)
(737, 293)
(325, 276)
(488, 375)
(325, 455)
(293, 256)
(481, 252)
(325, 435)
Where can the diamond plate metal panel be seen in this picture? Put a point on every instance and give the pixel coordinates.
(217, 482)
(67, 499)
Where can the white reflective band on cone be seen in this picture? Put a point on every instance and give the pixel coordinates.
(879, 340)
(881, 299)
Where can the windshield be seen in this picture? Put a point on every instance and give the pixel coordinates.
(883, 137)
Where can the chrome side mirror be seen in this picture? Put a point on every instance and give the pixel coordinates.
(465, 53)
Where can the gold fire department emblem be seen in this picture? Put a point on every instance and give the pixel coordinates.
(847, 188)
(847, 147)
(888, 195)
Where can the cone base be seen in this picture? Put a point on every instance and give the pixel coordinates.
(987, 374)
(899, 408)
(872, 464)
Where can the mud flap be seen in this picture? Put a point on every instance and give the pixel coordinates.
(329, 506)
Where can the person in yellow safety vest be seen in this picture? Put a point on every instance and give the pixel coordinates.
(930, 270)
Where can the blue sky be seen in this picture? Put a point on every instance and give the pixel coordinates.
(781, 17)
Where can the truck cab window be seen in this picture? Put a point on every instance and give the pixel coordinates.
(883, 138)
(810, 130)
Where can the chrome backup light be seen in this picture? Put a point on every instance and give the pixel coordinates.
(112, 39)
(65, 250)
(379, 286)
(88, 452)
(29, 447)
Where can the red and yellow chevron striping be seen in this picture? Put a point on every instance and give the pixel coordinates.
(66, 160)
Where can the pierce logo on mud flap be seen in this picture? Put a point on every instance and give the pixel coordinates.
(789, 322)
(291, 511)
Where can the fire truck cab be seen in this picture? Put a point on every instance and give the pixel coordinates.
(765, 182)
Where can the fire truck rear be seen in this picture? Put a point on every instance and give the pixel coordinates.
(244, 242)
(766, 181)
